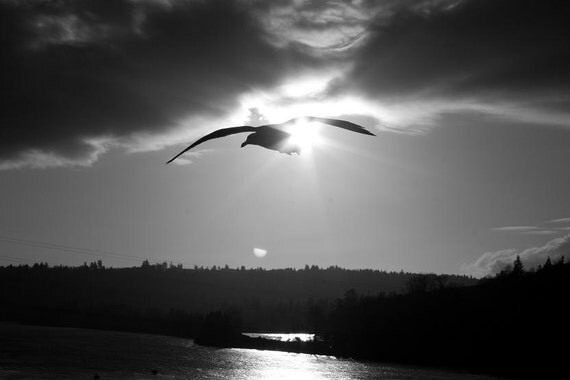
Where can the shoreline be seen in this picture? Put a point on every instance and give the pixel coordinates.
(313, 347)
(320, 348)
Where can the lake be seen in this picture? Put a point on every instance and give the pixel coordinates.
(34, 352)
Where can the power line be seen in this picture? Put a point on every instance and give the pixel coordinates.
(71, 249)
(66, 248)
(15, 259)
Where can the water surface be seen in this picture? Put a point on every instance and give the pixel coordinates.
(33, 352)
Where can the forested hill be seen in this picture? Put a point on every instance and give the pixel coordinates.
(266, 299)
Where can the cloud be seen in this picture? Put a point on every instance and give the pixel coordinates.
(259, 252)
(78, 71)
(541, 232)
(508, 58)
(561, 220)
(491, 263)
(319, 25)
(534, 230)
(136, 72)
(189, 157)
(516, 228)
(38, 159)
(528, 230)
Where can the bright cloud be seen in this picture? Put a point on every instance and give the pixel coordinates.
(491, 263)
(259, 252)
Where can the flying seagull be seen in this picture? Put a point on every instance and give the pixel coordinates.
(271, 137)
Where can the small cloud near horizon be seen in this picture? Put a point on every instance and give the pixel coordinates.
(535, 230)
(561, 220)
(491, 263)
(515, 228)
(541, 232)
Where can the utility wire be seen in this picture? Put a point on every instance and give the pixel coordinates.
(15, 260)
(71, 249)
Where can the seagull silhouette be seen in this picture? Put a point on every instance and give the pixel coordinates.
(271, 137)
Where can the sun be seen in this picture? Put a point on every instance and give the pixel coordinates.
(305, 135)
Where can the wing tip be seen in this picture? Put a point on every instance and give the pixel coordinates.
(356, 128)
(173, 158)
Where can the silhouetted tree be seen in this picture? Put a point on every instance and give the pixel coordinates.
(350, 297)
(518, 269)
(417, 284)
(547, 264)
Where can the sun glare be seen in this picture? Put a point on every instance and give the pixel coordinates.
(305, 135)
(304, 87)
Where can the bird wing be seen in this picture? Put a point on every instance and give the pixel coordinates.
(216, 135)
(334, 122)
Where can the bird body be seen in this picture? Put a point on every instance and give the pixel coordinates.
(274, 139)
(271, 137)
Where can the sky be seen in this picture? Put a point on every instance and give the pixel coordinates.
(469, 101)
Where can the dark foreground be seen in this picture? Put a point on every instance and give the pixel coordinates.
(512, 325)
(33, 352)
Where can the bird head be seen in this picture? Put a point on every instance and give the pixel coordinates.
(248, 140)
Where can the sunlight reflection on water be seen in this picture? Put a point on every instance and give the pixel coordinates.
(32, 352)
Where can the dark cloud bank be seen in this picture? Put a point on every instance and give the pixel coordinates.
(77, 71)
(505, 48)
(82, 69)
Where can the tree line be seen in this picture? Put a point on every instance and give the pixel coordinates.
(511, 324)
(268, 300)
